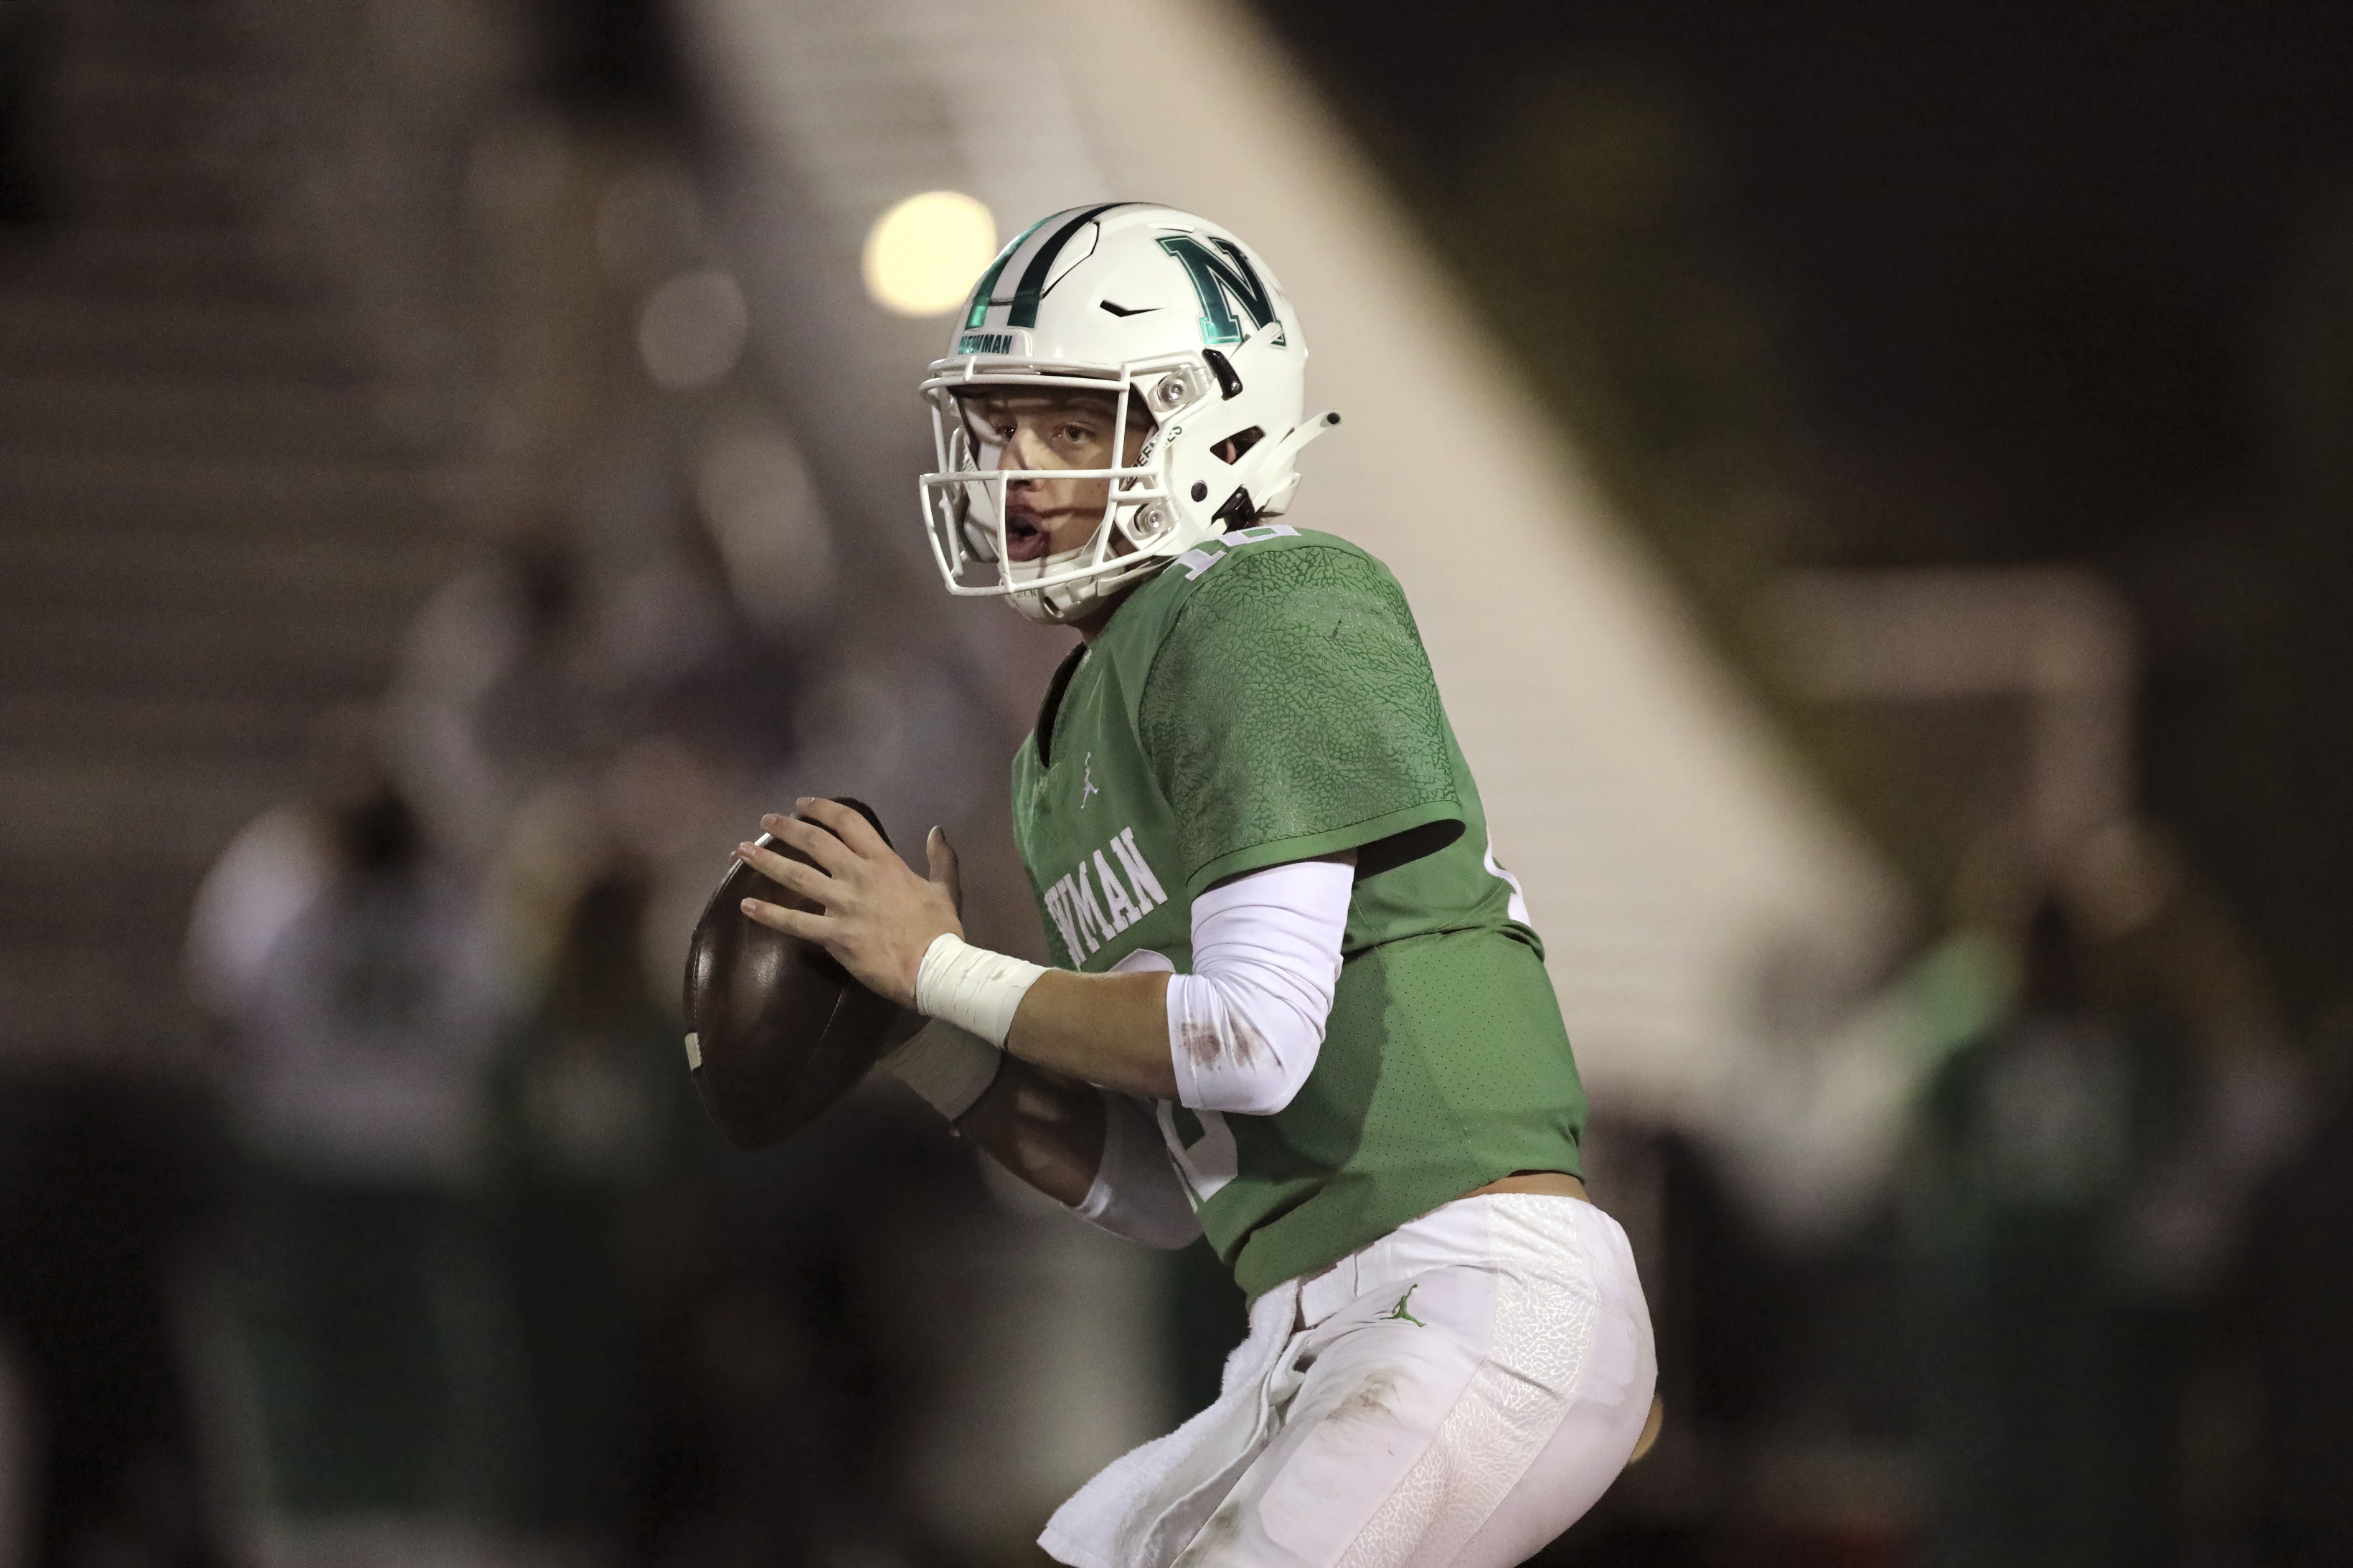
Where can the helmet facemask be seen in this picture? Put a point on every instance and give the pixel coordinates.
(966, 501)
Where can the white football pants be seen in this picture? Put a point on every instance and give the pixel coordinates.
(1454, 1395)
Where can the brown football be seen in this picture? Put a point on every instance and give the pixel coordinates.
(777, 1030)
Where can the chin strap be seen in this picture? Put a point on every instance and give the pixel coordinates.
(1057, 605)
(1062, 605)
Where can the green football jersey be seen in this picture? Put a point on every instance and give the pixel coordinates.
(1265, 699)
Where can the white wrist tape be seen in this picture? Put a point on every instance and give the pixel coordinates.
(972, 987)
(948, 1066)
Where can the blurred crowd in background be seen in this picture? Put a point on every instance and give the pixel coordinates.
(419, 582)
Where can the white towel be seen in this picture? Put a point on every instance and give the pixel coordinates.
(1144, 1507)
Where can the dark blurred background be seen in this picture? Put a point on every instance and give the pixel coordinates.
(452, 479)
(1912, 286)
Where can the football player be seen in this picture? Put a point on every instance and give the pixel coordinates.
(1297, 1006)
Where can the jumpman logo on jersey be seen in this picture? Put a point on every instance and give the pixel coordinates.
(1398, 1311)
(1087, 785)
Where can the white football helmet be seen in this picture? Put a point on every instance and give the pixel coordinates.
(1155, 306)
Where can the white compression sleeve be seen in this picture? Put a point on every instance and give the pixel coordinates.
(1137, 1193)
(1245, 1026)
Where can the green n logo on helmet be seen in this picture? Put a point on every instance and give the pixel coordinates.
(1222, 282)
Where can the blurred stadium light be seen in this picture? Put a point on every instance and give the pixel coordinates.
(924, 255)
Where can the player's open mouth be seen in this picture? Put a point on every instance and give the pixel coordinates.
(1024, 539)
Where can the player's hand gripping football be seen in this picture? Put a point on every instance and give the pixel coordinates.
(879, 915)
